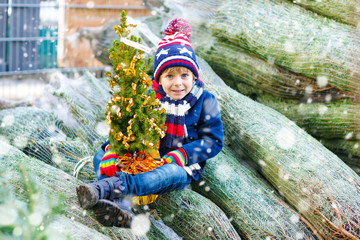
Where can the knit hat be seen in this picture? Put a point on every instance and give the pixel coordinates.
(175, 49)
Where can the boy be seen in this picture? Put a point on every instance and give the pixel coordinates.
(194, 134)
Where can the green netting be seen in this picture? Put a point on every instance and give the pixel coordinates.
(53, 182)
(294, 38)
(346, 11)
(193, 216)
(79, 103)
(338, 119)
(310, 177)
(222, 97)
(101, 38)
(64, 143)
(251, 75)
(347, 150)
(40, 134)
(4, 103)
(336, 123)
(313, 180)
(265, 82)
(256, 210)
(26, 219)
(260, 77)
(61, 139)
(74, 230)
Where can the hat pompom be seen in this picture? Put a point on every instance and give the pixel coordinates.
(178, 25)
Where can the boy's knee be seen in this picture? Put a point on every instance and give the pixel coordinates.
(96, 161)
(97, 157)
(172, 169)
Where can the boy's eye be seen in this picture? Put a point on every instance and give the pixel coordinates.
(184, 75)
(169, 76)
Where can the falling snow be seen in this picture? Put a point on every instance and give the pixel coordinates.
(289, 46)
(57, 159)
(8, 215)
(322, 81)
(299, 236)
(20, 141)
(35, 218)
(308, 90)
(17, 231)
(285, 138)
(323, 109)
(140, 224)
(294, 218)
(102, 128)
(4, 148)
(224, 172)
(7, 121)
(349, 135)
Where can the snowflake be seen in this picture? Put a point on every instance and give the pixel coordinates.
(323, 109)
(285, 138)
(8, 215)
(294, 218)
(35, 218)
(20, 142)
(223, 172)
(349, 135)
(140, 224)
(102, 128)
(322, 81)
(8, 121)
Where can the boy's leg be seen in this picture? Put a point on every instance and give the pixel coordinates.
(158, 181)
(96, 161)
(115, 212)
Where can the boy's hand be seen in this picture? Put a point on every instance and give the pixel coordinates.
(177, 156)
(107, 164)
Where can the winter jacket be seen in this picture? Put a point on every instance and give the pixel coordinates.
(203, 134)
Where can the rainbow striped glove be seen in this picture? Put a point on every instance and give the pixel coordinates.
(107, 164)
(177, 156)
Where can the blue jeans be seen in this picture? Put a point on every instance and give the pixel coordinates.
(158, 181)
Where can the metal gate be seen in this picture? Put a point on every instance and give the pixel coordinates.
(38, 36)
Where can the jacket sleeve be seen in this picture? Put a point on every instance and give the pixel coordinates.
(103, 146)
(210, 134)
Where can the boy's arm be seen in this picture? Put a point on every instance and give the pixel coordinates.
(210, 134)
(104, 145)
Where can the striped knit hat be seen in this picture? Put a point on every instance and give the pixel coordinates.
(175, 49)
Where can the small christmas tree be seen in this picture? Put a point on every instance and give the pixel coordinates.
(134, 114)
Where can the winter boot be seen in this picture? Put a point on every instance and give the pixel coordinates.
(113, 214)
(108, 188)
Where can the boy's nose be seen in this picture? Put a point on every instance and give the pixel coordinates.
(177, 80)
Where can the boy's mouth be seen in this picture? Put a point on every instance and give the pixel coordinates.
(177, 91)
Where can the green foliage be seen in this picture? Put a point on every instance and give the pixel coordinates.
(135, 117)
(31, 217)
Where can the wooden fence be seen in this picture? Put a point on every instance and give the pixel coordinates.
(41, 35)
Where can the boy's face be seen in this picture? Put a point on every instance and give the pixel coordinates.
(177, 82)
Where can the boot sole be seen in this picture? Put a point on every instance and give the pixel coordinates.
(110, 214)
(87, 196)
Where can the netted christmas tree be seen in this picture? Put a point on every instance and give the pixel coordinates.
(134, 113)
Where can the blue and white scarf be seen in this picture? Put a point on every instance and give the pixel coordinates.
(175, 113)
